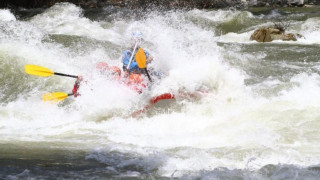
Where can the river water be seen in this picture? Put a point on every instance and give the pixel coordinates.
(259, 119)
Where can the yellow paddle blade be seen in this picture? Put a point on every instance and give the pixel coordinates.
(38, 70)
(141, 58)
(55, 97)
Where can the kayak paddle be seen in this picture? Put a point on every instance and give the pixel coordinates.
(134, 49)
(142, 61)
(56, 96)
(42, 71)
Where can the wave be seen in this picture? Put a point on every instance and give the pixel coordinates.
(6, 15)
(261, 105)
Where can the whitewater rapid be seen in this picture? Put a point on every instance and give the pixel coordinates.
(261, 107)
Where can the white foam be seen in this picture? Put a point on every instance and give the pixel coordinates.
(310, 29)
(220, 15)
(6, 15)
(67, 18)
(230, 127)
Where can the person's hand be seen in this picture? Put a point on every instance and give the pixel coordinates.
(79, 79)
(149, 59)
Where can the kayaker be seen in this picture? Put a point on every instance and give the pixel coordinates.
(127, 55)
(131, 76)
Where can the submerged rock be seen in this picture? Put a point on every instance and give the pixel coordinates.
(270, 34)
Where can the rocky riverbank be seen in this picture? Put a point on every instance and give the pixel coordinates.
(201, 4)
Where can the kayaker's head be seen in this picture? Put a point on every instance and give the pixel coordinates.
(136, 37)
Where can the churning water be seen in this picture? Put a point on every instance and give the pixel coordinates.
(259, 119)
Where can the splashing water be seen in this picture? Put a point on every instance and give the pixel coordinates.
(258, 118)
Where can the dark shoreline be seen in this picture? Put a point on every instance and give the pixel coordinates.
(35, 161)
(177, 4)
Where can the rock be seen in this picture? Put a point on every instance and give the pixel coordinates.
(284, 37)
(271, 34)
(259, 35)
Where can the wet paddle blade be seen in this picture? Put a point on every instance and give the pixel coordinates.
(38, 70)
(141, 58)
(55, 97)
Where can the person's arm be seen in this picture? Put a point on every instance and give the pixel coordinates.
(79, 79)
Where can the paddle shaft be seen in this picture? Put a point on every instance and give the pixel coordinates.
(134, 49)
(148, 74)
(66, 75)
